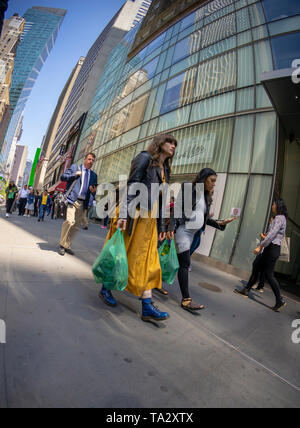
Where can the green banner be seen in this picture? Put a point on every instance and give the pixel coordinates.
(35, 162)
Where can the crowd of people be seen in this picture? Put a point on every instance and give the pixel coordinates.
(143, 234)
(31, 203)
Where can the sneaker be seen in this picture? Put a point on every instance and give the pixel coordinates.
(190, 269)
(243, 292)
(61, 250)
(7, 215)
(151, 312)
(103, 227)
(107, 297)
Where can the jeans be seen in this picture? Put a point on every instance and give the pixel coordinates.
(9, 204)
(42, 211)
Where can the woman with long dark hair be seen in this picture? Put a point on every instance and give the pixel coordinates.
(140, 234)
(269, 249)
(189, 225)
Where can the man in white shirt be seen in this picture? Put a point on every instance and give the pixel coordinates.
(23, 195)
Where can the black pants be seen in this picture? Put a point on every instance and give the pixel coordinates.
(183, 273)
(9, 204)
(22, 205)
(265, 263)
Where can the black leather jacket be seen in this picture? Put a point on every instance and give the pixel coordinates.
(142, 172)
(207, 221)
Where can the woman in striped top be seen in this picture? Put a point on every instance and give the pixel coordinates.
(270, 250)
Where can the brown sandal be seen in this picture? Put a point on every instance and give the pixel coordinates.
(162, 291)
(190, 306)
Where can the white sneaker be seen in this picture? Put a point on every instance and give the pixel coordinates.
(7, 215)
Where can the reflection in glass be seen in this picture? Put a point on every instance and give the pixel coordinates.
(233, 198)
(242, 144)
(278, 9)
(285, 49)
(265, 143)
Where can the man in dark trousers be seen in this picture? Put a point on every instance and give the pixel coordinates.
(82, 183)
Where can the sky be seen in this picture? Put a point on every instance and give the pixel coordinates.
(84, 21)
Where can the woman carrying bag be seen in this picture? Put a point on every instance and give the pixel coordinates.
(186, 233)
(269, 250)
(140, 234)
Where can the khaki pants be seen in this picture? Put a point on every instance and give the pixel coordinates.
(85, 218)
(72, 224)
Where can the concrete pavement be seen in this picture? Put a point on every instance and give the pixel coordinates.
(65, 348)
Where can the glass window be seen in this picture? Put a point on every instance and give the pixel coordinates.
(244, 38)
(257, 15)
(215, 76)
(150, 104)
(215, 106)
(179, 91)
(184, 64)
(144, 131)
(253, 222)
(262, 99)
(174, 119)
(169, 58)
(182, 50)
(130, 137)
(136, 113)
(233, 198)
(245, 99)
(245, 67)
(278, 9)
(213, 50)
(189, 20)
(218, 30)
(284, 25)
(285, 49)
(263, 58)
(152, 126)
(158, 100)
(242, 144)
(242, 20)
(260, 32)
(155, 44)
(204, 145)
(264, 143)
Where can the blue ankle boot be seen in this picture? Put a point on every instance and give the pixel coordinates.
(107, 297)
(150, 312)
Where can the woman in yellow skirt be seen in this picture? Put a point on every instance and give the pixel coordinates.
(142, 230)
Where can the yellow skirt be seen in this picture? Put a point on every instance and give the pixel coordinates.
(144, 271)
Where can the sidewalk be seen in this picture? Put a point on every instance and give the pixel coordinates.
(65, 348)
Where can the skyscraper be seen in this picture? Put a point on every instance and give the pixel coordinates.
(40, 32)
(131, 13)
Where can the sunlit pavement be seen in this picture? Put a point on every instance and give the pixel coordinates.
(65, 348)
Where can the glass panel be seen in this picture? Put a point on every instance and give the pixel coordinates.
(130, 137)
(264, 144)
(174, 119)
(245, 67)
(156, 43)
(161, 62)
(184, 64)
(224, 45)
(243, 20)
(221, 29)
(262, 99)
(260, 32)
(263, 59)
(233, 198)
(115, 165)
(254, 218)
(182, 50)
(240, 3)
(179, 91)
(136, 113)
(169, 58)
(204, 145)
(213, 76)
(245, 99)
(257, 15)
(148, 112)
(152, 126)
(211, 107)
(242, 144)
(158, 100)
(189, 20)
(278, 9)
(284, 26)
(144, 131)
(285, 50)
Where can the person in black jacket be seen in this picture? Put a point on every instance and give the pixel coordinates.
(141, 234)
(188, 226)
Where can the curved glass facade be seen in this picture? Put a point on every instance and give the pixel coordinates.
(201, 81)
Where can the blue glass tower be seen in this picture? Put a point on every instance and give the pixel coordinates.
(40, 32)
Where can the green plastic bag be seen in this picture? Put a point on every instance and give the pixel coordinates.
(168, 261)
(111, 267)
